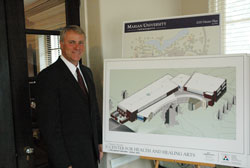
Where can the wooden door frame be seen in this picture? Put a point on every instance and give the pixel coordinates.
(72, 9)
(18, 76)
(7, 143)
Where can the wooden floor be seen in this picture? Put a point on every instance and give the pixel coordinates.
(157, 161)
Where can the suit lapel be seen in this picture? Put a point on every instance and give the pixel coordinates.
(87, 79)
(69, 78)
(90, 85)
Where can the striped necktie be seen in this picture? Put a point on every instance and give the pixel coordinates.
(80, 81)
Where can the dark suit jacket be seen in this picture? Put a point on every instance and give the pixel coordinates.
(69, 120)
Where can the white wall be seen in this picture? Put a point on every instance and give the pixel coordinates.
(190, 7)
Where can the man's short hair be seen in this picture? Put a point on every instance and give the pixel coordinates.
(74, 28)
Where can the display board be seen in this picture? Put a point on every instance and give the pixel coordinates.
(193, 108)
(175, 36)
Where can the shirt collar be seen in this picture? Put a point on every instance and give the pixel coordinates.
(71, 66)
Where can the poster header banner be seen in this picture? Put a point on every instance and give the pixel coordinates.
(175, 23)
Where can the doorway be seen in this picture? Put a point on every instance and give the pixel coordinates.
(43, 21)
(26, 47)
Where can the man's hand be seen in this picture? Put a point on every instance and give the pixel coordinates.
(70, 167)
(100, 151)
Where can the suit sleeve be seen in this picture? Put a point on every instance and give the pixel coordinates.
(49, 119)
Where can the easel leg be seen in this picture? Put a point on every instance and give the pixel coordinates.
(157, 163)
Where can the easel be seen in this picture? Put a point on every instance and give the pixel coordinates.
(157, 161)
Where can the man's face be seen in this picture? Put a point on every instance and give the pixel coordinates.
(73, 46)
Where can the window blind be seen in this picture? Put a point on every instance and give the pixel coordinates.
(235, 23)
(54, 50)
(43, 59)
(49, 50)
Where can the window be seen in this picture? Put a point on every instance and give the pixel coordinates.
(54, 47)
(42, 51)
(48, 50)
(235, 22)
(43, 21)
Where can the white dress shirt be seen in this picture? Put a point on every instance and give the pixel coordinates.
(72, 69)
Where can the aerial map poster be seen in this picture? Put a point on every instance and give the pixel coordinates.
(193, 108)
(178, 36)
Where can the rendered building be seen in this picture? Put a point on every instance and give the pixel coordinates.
(181, 80)
(209, 86)
(146, 97)
(158, 96)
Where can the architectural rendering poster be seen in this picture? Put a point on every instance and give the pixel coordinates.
(179, 36)
(193, 108)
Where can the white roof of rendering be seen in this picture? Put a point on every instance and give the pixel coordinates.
(157, 106)
(200, 83)
(181, 79)
(148, 95)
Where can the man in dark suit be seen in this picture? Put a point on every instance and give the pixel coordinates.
(67, 108)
